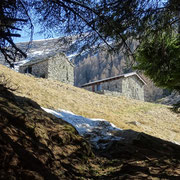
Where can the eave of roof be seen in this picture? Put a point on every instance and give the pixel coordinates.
(42, 59)
(114, 78)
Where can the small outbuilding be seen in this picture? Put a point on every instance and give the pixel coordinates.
(56, 66)
(130, 85)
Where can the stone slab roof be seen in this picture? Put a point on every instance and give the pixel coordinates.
(46, 57)
(114, 78)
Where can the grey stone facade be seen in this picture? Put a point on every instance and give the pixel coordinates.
(130, 85)
(56, 67)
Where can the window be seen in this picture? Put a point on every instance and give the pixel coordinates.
(98, 87)
(28, 70)
(67, 75)
(43, 76)
(93, 89)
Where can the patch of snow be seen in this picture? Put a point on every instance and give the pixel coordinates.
(97, 131)
(37, 52)
(20, 63)
(45, 39)
(175, 142)
(72, 55)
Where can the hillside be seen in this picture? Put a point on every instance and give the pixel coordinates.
(91, 65)
(37, 145)
(154, 119)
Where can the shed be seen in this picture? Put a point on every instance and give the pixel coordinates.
(130, 85)
(56, 66)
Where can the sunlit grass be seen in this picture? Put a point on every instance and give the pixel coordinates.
(155, 119)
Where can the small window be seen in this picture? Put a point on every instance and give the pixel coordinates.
(28, 70)
(98, 87)
(93, 89)
(43, 76)
(67, 75)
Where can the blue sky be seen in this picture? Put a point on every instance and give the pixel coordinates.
(25, 35)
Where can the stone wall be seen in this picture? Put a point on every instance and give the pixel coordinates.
(59, 68)
(89, 88)
(111, 93)
(39, 69)
(114, 85)
(132, 87)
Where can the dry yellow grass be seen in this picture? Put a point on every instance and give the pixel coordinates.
(154, 119)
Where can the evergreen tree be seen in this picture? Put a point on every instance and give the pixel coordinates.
(158, 55)
(159, 58)
(94, 22)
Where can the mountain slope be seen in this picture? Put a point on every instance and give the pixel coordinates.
(104, 65)
(91, 65)
(37, 145)
(154, 119)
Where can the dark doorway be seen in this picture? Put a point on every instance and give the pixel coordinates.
(28, 70)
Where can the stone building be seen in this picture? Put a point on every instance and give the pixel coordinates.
(130, 85)
(56, 67)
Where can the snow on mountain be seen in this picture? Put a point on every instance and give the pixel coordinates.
(46, 47)
(20, 63)
(98, 131)
(90, 64)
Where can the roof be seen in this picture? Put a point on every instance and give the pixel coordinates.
(114, 78)
(39, 59)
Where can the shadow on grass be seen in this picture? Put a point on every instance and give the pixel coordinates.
(24, 155)
(141, 156)
(34, 144)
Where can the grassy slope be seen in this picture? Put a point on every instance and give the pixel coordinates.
(36, 145)
(154, 119)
